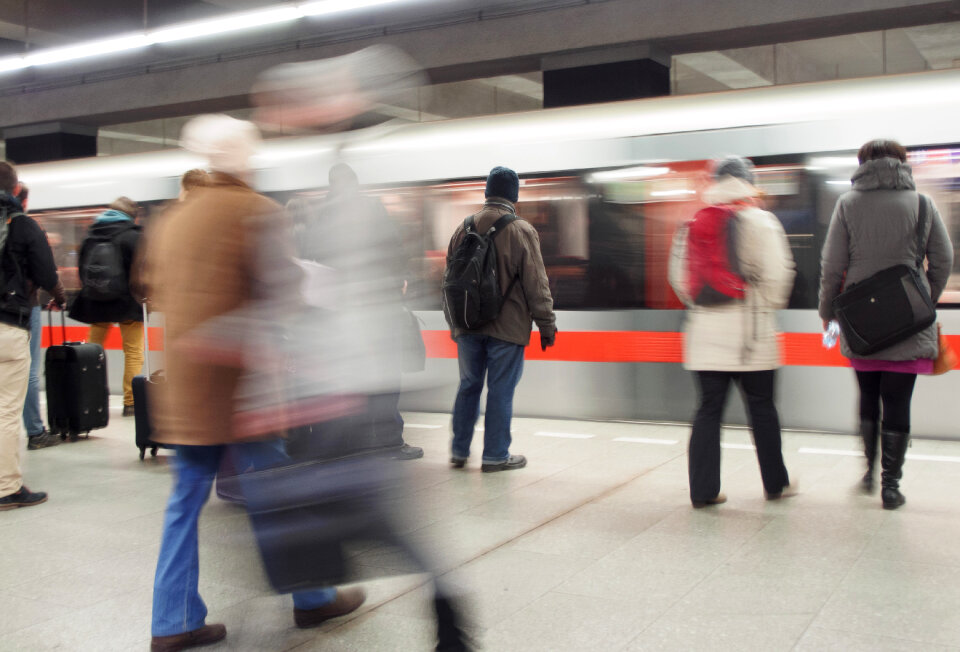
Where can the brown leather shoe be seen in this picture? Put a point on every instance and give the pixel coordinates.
(204, 636)
(719, 499)
(347, 600)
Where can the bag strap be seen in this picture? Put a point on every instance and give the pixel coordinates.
(500, 224)
(470, 224)
(921, 241)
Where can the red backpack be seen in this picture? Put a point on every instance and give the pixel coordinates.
(714, 276)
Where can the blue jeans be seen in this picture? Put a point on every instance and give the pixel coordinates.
(502, 363)
(177, 605)
(32, 420)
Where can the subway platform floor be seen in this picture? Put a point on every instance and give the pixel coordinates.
(594, 546)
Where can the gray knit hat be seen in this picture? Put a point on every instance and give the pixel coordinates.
(734, 166)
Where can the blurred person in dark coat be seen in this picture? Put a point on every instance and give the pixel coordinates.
(213, 254)
(352, 234)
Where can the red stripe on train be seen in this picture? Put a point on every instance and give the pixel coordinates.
(799, 349)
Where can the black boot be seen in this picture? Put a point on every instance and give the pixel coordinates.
(894, 450)
(450, 636)
(870, 434)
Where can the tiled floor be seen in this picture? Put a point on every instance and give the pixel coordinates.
(593, 546)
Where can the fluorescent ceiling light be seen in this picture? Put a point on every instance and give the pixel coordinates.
(232, 23)
(237, 22)
(641, 172)
(326, 7)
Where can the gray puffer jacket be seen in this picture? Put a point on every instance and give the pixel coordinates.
(874, 227)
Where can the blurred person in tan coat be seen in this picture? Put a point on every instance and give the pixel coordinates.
(206, 260)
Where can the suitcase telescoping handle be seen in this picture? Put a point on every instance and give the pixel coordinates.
(146, 339)
(63, 325)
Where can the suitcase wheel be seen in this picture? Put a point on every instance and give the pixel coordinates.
(143, 452)
(153, 452)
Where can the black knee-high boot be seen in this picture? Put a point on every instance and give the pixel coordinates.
(870, 434)
(894, 450)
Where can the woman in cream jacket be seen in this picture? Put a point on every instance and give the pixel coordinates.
(737, 342)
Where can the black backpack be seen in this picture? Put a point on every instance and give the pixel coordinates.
(9, 285)
(103, 274)
(471, 287)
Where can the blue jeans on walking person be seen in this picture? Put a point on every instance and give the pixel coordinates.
(177, 605)
(502, 363)
(32, 419)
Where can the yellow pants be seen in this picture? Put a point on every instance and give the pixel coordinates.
(131, 332)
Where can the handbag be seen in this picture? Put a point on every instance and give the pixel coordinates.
(946, 357)
(889, 306)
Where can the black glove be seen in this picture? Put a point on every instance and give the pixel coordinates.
(547, 338)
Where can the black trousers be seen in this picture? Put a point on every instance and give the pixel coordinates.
(893, 391)
(756, 388)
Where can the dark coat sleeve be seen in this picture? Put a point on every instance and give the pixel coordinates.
(41, 268)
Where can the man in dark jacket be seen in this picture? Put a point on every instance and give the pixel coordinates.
(496, 350)
(26, 262)
(106, 298)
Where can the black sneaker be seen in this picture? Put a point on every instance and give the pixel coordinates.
(23, 498)
(458, 462)
(513, 462)
(407, 452)
(43, 440)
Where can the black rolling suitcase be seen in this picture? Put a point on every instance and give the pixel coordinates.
(78, 398)
(142, 386)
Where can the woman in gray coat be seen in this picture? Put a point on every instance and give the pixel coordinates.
(874, 227)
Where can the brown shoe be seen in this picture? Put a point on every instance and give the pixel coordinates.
(129, 411)
(719, 499)
(347, 600)
(204, 636)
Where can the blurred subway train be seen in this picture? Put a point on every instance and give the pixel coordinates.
(605, 186)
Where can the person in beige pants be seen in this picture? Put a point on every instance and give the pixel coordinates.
(26, 263)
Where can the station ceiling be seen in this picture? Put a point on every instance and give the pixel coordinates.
(486, 56)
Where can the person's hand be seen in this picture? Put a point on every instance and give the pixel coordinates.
(547, 338)
(826, 325)
(53, 305)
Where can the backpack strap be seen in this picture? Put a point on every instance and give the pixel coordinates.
(500, 224)
(470, 224)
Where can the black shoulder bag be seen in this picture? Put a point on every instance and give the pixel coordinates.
(889, 306)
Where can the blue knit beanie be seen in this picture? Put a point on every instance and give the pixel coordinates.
(503, 182)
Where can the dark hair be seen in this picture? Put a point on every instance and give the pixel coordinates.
(125, 205)
(24, 193)
(195, 178)
(8, 177)
(880, 148)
